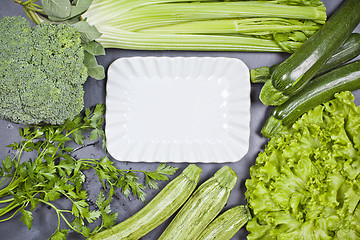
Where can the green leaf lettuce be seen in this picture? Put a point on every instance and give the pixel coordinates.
(306, 182)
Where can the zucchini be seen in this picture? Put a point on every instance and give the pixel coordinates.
(160, 208)
(202, 207)
(348, 51)
(318, 91)
(224, 226)
(297, 70)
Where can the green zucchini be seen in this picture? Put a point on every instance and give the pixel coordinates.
(224, 226)
(318, 91)
(297, 70)
(348, 51)
(160, 208)
(202, 207)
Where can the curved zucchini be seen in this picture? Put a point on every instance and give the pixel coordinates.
(161, 207)
(318, 91)
(224, 226)
(293, 74)
(202, 207)
(348, 51)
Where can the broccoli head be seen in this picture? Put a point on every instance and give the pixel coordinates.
(41, 72)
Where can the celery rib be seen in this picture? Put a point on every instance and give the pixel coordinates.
(238, 9)
(133, 40)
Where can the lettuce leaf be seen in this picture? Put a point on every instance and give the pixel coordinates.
(306, 182)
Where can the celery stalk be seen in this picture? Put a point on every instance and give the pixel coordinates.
(239, 9)
(134, 40)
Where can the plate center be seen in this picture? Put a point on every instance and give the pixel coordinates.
(176, 109)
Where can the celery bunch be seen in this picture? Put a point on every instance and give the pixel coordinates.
(203, 25)
(271, 26)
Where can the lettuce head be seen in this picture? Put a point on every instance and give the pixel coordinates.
(306, 182)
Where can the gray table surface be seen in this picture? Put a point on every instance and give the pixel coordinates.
(45, 222)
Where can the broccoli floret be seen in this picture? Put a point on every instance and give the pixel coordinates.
(41, 72)
(15, 33)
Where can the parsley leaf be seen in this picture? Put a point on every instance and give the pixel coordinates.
(26, 217)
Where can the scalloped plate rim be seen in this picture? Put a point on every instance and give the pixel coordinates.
(232, 154)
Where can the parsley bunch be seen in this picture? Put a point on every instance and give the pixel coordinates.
(55, 173)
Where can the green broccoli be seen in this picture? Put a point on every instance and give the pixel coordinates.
(41, 72)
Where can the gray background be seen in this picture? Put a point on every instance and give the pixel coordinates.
(45, 219)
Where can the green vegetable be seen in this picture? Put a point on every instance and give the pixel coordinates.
(319, 90)
(54, 173)
(306, 182)
(41, 72)
(273, 26)
(224, 226)
(69, 13)
(202, 207)
(348, 51)
(296, 71)
(262, 74)
(165, 203)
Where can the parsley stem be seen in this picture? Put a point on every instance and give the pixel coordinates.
(9, 208)
(67, 222)
(12, 185)
(56, 210)
(4, 180)
(6, 219)
(18, 157)
(60, 215)
(7, 200)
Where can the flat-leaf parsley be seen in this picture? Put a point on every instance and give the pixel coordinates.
(55, 173)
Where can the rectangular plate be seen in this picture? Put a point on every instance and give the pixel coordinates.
(162, 109)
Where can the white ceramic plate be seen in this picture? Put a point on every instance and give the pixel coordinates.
(162, 109)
